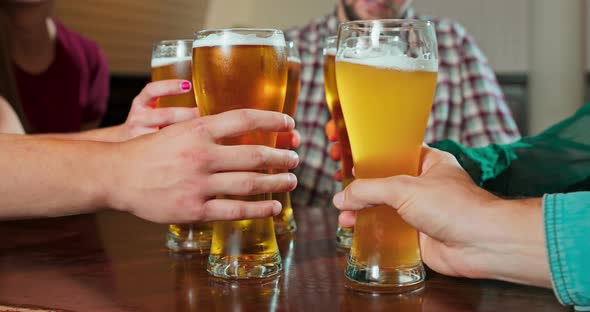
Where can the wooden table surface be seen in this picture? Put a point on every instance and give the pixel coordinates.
(116, 262)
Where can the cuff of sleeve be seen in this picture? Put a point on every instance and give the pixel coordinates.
(562, 233)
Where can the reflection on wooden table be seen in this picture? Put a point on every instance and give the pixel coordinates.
(116, 262)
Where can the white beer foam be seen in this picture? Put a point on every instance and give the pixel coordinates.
(398, 62)
(230, 38)
(163, 61)
(331, 51)
(293, 59)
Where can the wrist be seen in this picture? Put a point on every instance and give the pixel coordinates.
(119, 133)
(112, 166)
(513, 245)
(96, 173)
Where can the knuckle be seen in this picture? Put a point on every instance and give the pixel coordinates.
(247, 117)
(239, 213)
(201, 128)
(200, 212)
(260, 157)
(250, 186)
(199, 159)
(401, 180)
(149, 90)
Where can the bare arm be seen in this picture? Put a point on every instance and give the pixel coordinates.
(50, 177)
(171, 176)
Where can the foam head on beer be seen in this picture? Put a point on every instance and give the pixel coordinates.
(231, 38)
(164, 61)
(331, 51)
(384, 54)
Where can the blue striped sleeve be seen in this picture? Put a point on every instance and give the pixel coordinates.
(567, 235)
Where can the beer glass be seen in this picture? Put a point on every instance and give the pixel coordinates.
(386, 72)
(285, 221)
(232, 69)
(343, 235)
(171, 59)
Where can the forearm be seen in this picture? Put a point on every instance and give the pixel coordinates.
(109, 134)
(49, 177)
(514, 249)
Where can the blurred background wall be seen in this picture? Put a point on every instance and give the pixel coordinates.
(504, 29)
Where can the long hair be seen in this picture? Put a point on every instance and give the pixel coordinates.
(8, 88)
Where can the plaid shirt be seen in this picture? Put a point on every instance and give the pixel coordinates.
(468, 107)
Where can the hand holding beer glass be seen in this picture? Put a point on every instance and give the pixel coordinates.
(285, 221)
(232, 69)
(343, 235)
(171, 59)
(386, 72)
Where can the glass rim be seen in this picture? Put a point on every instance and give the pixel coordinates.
(163, 42)
(223, 30)
(398, 23)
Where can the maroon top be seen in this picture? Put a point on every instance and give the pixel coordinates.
(72, 91)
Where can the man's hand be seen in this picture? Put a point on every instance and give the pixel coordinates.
(463, 227)
(174, 175)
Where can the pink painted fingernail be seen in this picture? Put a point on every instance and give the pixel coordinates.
(186, 85)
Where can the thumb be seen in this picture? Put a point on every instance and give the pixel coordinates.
(365, 193)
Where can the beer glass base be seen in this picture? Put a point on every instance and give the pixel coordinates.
(285, 228)
(244, 267)
(378, 280)
(180, 244)
(344, 237)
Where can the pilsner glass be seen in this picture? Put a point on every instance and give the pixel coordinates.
(232, 69)
(386, 72)
(171, 59)
(285, 221)
(343, 235)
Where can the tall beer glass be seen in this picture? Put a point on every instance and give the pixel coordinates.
(232, 69)
(386, 72)
(171, 59)
(343, 235)
(285, 221)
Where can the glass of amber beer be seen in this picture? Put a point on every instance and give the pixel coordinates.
(171, 59)
(343, 235)
(285, 221)
(232, 69)
(386, 72)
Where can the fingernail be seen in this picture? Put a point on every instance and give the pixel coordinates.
(276, 209)
(289, 122)
(185, 85)
(338, 199)
(294, 156)
(292, 178)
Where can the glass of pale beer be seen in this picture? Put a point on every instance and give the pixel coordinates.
(233, 69)
(171, 59)
(285, 221)
(343, 235)
(386, 72)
